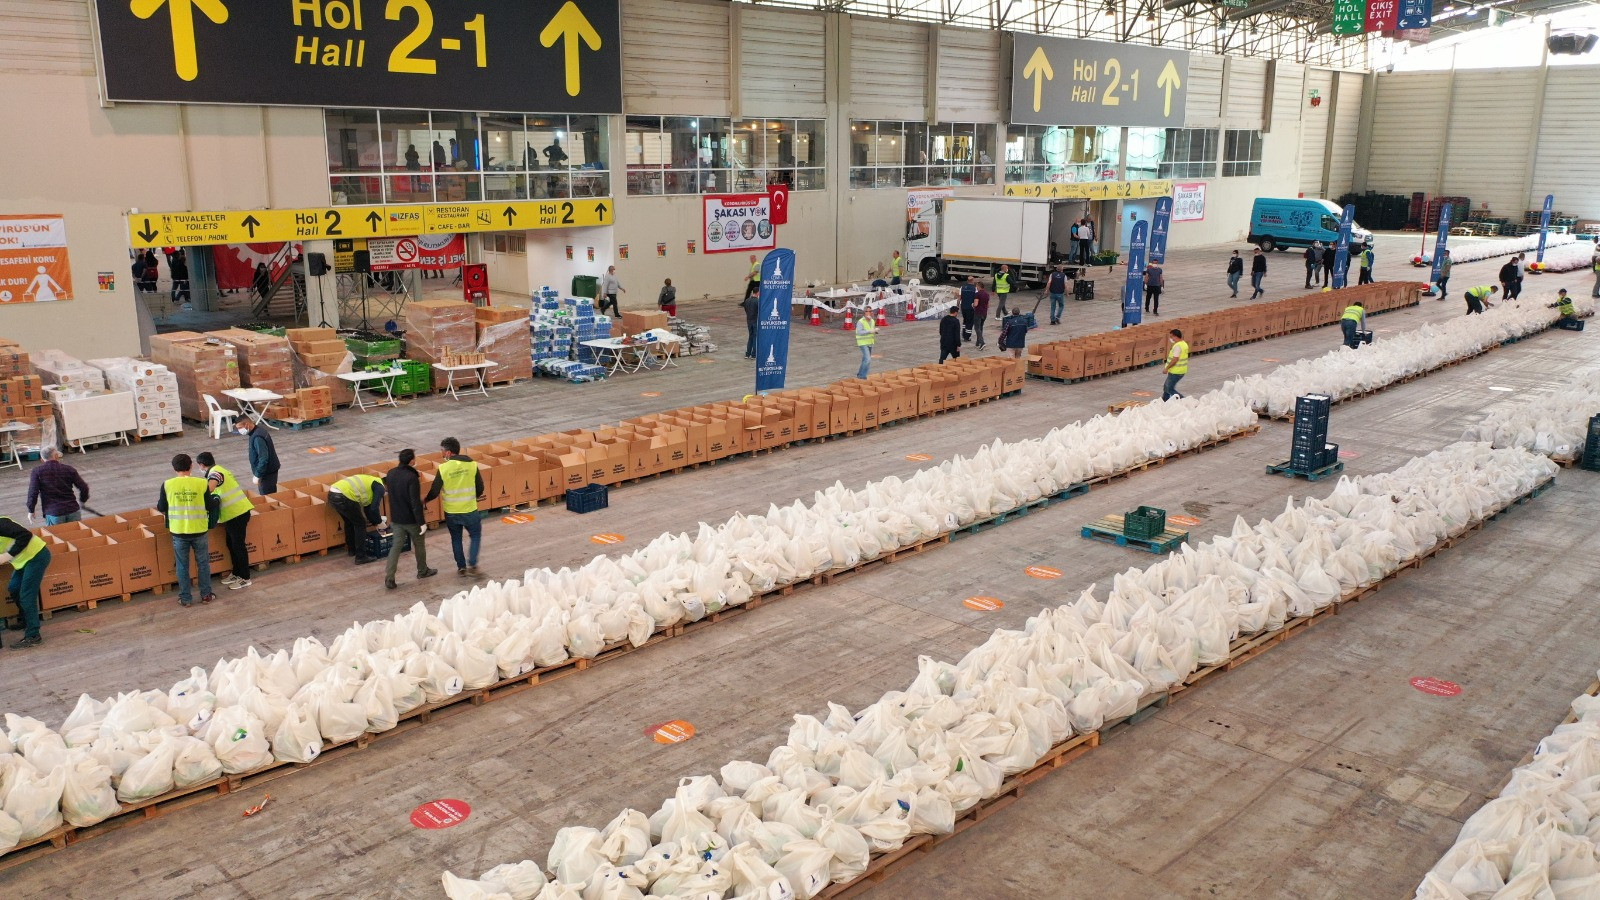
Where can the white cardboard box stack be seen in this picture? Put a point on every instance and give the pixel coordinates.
(55, 367)
(154, 389)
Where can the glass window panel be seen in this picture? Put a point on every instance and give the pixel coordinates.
(888, 145)
(713, 142)
(458, 131)
(584, 141)
(402, 129)
(550, 185)
(681, 142)
(916, 145)
(861, 138)
(640, 182)
(356, 189)
(591, 183)
(454, 188)
(745, 147)
(505, 185)
(810, 144)
(353, 144)
(505, 144)
(409, 188)
(548, 135)
(983, 142)
(811, 180)
(642, 143)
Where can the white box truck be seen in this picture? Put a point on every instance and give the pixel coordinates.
(960, 236)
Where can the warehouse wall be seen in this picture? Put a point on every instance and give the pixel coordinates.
(1477, 133)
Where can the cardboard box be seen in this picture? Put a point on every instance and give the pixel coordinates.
(636, 322)
(61, 586)
(99, 567)
(271, 535)
(309, 517)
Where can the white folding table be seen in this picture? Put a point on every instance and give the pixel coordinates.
(248, 399)
(9, 455)
(478, 369)
(618, 354)
(670, 347)
(371, 381)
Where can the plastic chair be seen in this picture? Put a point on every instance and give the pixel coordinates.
(220, 418)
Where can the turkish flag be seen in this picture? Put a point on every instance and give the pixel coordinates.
(779, 195)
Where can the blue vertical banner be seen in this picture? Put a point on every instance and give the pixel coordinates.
(1544, 225)
(1158, 230)
(772, 320)
(1133, 289)
(1341, 256)
(1442, 242)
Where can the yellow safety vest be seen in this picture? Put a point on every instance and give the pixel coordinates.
(755, 270)
(460, 478)
(894, 266)
(1180, 349)
(1478, 293)
(1565, 307)
(866, 330)
(1354, 313)
(27, 553)
(358, 488)
(1002, 283)
(235, 502)
(186, 505)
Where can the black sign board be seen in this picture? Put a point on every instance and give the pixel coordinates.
(495, 55)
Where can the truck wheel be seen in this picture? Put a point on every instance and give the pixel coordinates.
(931, 272)
(1267, 245)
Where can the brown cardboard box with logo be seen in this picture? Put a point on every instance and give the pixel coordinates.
(61, 586)
(271, 532)
(99, 567)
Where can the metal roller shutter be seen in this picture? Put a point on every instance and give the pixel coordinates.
(46, 37)
(1346, 131)
(675, 57)
(1204, 106)
(1565, 165)
(1491, 138)
(1288, 94)
(1408, 121)
(1314, 130)
(972, 77)
(1247, 93)
(781, 66)
(888, 70)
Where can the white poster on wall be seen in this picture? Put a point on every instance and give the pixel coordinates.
(739, 222)
(1189, 202)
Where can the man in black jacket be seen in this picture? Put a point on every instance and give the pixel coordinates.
(969, 299)
(949, 336)
(263, 456)
(1313, 262)
(405, 515)
(1258, 272)
(751, 307)
(1330, 255)
(1508, 279)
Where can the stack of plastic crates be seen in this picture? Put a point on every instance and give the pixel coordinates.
(1311, 450)
(1145, 523)
(1591, 447)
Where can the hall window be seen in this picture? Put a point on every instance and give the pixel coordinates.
(418, 156)
(890, 154)
(710, 155)
(1051, 153)
(1241, 153)
(1189, 153)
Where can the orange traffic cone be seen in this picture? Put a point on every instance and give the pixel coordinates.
(883, 318)
(849, 320)
(911, 309)
(816, 315)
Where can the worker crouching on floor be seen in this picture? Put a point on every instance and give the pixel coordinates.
(29, 557)
(234, 518)
(1563, 305)
(357, 498)
(461, 485)
(1354, 321)
(1478, 297)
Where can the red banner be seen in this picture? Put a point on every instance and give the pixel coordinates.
(428, 251)
(236, 263)
(1383, 15)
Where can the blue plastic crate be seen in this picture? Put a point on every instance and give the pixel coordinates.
(588, 498)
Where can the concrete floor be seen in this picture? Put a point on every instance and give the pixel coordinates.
(1314, 771)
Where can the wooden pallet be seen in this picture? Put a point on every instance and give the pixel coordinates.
(1117, 409)
(1289, 471)
(300, 425)
(1109, 530)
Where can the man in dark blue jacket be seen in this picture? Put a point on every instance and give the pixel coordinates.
(969, 299)
(263, 457)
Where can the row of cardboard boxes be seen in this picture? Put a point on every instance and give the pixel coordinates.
(1146, 343)
(110, 556)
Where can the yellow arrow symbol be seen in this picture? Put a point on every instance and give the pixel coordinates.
(1169, 79)
(570, 23)
(1038, 68)
(184, 57)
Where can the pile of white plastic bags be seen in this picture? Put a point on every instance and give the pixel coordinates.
(1539, 838)
(848, 785)
(1475, 250)
(251, 711)
(1554, 423)
(1569, 257)
(1345, 373)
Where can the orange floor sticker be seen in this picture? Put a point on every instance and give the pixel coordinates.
(517, 519)
(1042, 572)
(650, 394)
(983, 604)
(321, 450)
(1268, 359)
(607, 539)
(675, 732)
(919, 457)
(1187, 521)
(1143, 394)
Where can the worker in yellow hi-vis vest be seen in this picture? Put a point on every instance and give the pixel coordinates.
(234, 519)
(1003, 286)
(897, 268)
(191, 510)
(461, 485)
(357, 499)
(1353, 322)
(1177, 364)
(29, 557)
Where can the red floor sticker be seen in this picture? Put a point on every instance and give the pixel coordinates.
(517, 519)
(1189, 521)
(1042, 572)
(321, 450)
(982, 604)
(607, 539)
(919, 457)
(440, 814)
(675, 732)
(1349, 454)
(1436, 686)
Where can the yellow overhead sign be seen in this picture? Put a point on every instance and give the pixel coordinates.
(1091, 190)
(188, 229)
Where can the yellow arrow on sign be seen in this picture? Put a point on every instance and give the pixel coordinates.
(571, 25)
(1169, 79)
(185, 58)
(1038, 68)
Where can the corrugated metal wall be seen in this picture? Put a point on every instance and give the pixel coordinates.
(1492, 131)
(888, 69)
(50, 37)
(675, 57)
(782, 69)
(1244, 103)
(1408, 128)
(1203, 109)
(973, 76)
(1314, 130)
(1346, 134)
(1288, 95)
(1568, 136)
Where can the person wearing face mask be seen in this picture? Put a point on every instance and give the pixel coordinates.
(263, 456)
(234, 517)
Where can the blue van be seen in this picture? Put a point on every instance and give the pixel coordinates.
(1297, 222)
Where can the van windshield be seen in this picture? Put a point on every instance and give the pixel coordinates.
(1329, 223)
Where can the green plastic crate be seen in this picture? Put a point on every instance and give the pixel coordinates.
(1144, 523)
(386, 349)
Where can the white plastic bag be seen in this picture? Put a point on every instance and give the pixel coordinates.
(150, 776)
